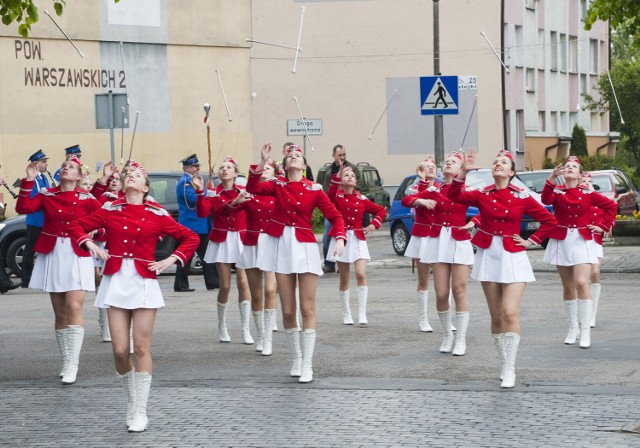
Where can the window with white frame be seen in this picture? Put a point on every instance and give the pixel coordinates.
(531, 80)
(562, 52)
(563, 125)
(553, 122)
(573, 54)
(530, 4)
(593, 53)
(553, 45)
(584, 86)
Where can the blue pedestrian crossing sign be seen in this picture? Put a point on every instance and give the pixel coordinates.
(439, 95)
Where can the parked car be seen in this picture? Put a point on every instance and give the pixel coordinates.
(162, 189)
(401, 218)
(617, 186)
(536, 179)
(369, 184)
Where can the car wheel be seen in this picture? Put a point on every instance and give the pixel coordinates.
(400, 238)
(14, 256)
(195, 268)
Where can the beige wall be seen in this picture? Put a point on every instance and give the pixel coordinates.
(536, 149)
(350, 49)
(170, 74)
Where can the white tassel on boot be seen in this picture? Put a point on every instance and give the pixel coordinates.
(571, 309)
(447, 342)
(584, 320)
(497, 341)
(128, 381)
(267, 345)
(245, 320)
(510, 342)
(595, 296)
(223, 334)
(103, 321)
(257, 319)
(75, 336)
(61, 338)
(143, 386)
(308, 346)
(293, 338)
(346, 310)
(362, 293)
(423, 299)
(462, 322)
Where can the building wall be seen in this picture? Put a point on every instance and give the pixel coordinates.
(170, 54)
(354, 54)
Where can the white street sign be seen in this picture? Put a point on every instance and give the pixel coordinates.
(304, 127)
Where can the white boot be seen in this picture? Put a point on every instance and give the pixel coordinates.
(245, 320)
(423, 297)
(510, 342)
(447, 342)
(274, 326)
(362, 293)
(595, 296)
(497, 341)
(131, 347)
(267, 345)
(257, 319)
(571, 309)
(143, 386)
(223, 334)
(346, 310)
(308, 346)
(103, 321)
(128, 381)
(293, 338)
(61, 338)
(75, 336)
(452, 309)
(462, 322)
(584, 320)
(298, 313)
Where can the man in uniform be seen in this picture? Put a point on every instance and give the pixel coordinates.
(188, 217)
(35, 220)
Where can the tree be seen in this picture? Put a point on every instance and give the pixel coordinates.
(578, 142)
(618, 13)
(25, 13)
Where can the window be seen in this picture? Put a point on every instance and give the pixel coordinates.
(531, 80)
(562, 52)
(584, 6)
(573, 54)
(562, 125)
(542, 122)
(553, 43)
(541, 49)
(584, 83)
(593, 49)
(530, 4)
(553, 122)
(520, 130)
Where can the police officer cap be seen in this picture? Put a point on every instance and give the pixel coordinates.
(37, 156)
(75, 149)
(190, 160)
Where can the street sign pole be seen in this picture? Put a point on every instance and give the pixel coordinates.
(111, 126)
(438, 129)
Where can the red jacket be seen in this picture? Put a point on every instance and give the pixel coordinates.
(353, 207)
(61, 209)
(226, 218)
(259, 211)
(596, 216)
(294, 205)
(501, 213)
(422, 222)
(446, 213)
(133, 232)
(572, 208)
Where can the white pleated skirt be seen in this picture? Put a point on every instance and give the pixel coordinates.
(129, 290)
(287, 255)
(355, 249)
(445, 249)
(61, 270)
(599, 252)
(417, 247)
(227, 251)
(251, 255)
(98, 262)
(495, 264)
(572, 250)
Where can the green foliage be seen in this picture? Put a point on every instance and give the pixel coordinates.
(589, 163)
(578, 142)
(619, 13)
(548, 164)
(317, 221)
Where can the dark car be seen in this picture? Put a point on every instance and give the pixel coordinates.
(162, 189)
(401, 218)
(618, 187)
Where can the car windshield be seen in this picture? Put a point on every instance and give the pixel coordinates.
(602, 183)
(481, 178)
(535, 181)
